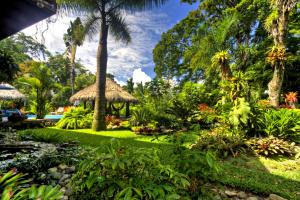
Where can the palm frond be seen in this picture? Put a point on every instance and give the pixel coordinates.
(139, 5)
(76, 6)
(91, 25)
(118, 26)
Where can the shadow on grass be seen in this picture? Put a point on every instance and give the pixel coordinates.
(258, 175)
(262, 176)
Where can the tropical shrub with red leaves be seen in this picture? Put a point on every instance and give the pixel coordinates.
(291, 98)
(271, 146)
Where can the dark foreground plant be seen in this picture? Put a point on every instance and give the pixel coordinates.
(135, 173)
(12, 187)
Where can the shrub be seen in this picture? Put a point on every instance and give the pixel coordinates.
(140, 173)
(128, 174)
(40, 137)
(222, 142)
(271, 146)
(77, 118)
(205, 116)
(282, 123)
(140, 117)
(112, 122)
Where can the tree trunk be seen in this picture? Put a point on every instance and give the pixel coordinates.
(275, 85)
(127, 109)
(72, 76)
(100, 103)
(278, 32)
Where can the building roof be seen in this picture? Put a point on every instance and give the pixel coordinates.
(16, 15)
(113, 93)
(8, 92)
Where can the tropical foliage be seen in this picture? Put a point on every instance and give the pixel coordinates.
(77, 118)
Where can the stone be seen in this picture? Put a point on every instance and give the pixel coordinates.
(70, 170)
(62, 166)
(63, 179)
(65, 198)
(276, 197)
(252, 198)
(53, 169)
(222, 193)
(68, 191)
(217, 197)
(53, 183)
(230, 193)
(242, 195)
(63, 190)
(42, 176)
(55, 175)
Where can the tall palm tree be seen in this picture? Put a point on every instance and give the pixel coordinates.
(41, 84)
(73, 38)
(105, 16)
(276, 24)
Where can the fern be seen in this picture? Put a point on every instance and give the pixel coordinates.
(77, 118)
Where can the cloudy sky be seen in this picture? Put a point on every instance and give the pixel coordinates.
(133, 60)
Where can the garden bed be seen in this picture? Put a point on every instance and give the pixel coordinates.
(258, 176)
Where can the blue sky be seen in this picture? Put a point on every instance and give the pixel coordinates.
(133, 60)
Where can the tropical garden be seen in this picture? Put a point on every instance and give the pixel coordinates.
(220, 120)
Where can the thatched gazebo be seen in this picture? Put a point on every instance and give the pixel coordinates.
(114, 94)
(8, 92)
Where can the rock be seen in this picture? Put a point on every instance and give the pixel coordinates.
(53, 183)
(63, 190)
(230, 193)
(252, 198)
(42, 176)
(276, 197)
(70, 170)
(55, 175)
(63, 179)
(242, 195)
(222, 193)
(62, 166)
(68, 191)
(53, 169)
(65, 198)
(217, 197)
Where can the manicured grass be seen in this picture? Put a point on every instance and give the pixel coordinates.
(256, 174)
(262, 175)
(96, 139)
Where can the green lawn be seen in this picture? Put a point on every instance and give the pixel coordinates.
(254, 174)
(262, 175)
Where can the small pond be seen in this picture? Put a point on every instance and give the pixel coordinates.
(57, 117)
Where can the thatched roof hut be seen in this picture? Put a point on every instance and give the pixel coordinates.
(113, 93)
(8, 92)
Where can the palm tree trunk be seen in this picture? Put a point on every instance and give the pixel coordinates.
(72, 78)
(100, 103)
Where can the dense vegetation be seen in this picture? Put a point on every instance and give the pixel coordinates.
(223, 108)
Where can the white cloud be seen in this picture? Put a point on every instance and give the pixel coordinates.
(140, 76)
(146, 28)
